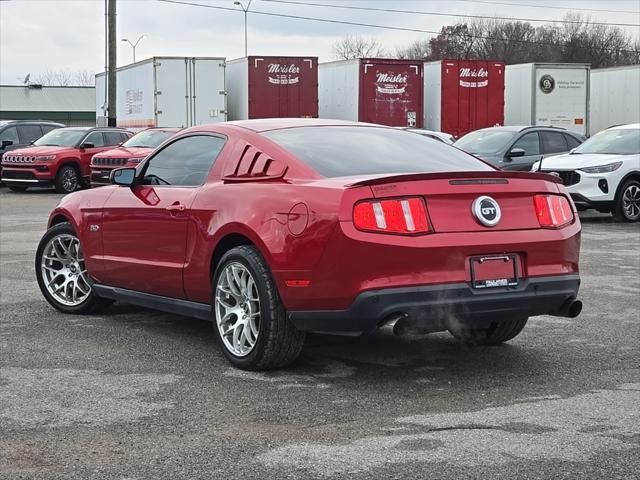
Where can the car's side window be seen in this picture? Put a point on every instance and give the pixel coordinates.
(185, 162)
(530, 143)
(29, 133)
(553, 142)
(48, 128)
(9, 133)
(96, 139)
(124, 137)
(113, 138)
(572, 142)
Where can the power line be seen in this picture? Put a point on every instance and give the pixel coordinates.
(440, 14)
(371, 25)
(548, 6)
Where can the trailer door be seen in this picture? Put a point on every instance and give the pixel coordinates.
(391, 93)
(208, 97)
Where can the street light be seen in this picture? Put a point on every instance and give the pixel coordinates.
(134, 45)
(245, 10)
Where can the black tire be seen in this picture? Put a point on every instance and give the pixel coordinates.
(630, 187)
(67, 179)
(17, 189)
(278, 342)
(91, 304)
(497, 332)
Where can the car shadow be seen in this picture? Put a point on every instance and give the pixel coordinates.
(378, 357)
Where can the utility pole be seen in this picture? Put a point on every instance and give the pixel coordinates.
(112, 47)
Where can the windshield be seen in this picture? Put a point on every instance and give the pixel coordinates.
(613, 142)
(148, 138)
(61, 138)
(343, 151)
(485, 142)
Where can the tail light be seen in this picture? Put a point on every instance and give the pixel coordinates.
(553, 211)
(399, 215)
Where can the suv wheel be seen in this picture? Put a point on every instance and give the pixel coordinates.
(251, 324)
(62, 275)
(497, 332)
(67, 179)
(627, 208)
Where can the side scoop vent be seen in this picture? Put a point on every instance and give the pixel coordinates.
(254, 165)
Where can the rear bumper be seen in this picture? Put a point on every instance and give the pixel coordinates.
(442, 303)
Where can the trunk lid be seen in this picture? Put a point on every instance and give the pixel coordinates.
(450, 196)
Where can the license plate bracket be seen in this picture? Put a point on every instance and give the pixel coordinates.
(494, 271)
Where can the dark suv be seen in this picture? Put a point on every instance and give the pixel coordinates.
(20, 133)
(518, 148)
(61, 158)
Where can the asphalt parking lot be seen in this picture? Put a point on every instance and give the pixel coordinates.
(135, 394)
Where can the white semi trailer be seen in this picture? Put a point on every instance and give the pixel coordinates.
(615, 97)
(167, 92)
(548, 94)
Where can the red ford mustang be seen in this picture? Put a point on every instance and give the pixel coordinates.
(272, 228)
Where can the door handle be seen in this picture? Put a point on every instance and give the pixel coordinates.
(176, 207)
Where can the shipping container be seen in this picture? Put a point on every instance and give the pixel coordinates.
(383, 91)
(167, 92)
(615, 97)
(272, 87)
(463, 95)
(548, 94)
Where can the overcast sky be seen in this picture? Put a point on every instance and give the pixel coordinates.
(41, 35)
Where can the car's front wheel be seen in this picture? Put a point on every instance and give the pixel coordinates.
(251, 324)
(493, 334)
(62, 274)
(627, 208)
(67, 179)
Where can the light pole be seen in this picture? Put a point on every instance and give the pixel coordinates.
(134, 45)
(245, 10)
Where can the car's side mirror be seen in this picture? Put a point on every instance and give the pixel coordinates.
(6, 143)
(516, 152)
(87, 145)
(123, 176)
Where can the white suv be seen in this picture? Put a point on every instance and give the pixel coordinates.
(602, 173)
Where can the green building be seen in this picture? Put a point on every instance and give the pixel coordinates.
(73, 106)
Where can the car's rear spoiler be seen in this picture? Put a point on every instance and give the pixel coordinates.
(490, 176)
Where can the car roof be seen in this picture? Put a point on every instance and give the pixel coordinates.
(86, 129)
(266, 124)
(11, 122)
(521, 128)
(629, 126)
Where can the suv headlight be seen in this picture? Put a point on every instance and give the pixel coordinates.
(135, 160)
(45, 158)
(611, 167)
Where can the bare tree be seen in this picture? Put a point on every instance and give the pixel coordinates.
(577, 41)
(354, 46)
(84, 78)
(418, 50)
(64, 78)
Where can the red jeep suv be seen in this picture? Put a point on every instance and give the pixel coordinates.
(129, 154)
(60, 158)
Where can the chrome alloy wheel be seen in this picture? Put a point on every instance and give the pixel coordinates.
(63, 270)
(70, 180)
(631, 202)
(237, 309)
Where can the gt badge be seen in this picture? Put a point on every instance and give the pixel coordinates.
(486, 210)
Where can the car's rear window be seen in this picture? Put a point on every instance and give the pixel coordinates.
(343, 151)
